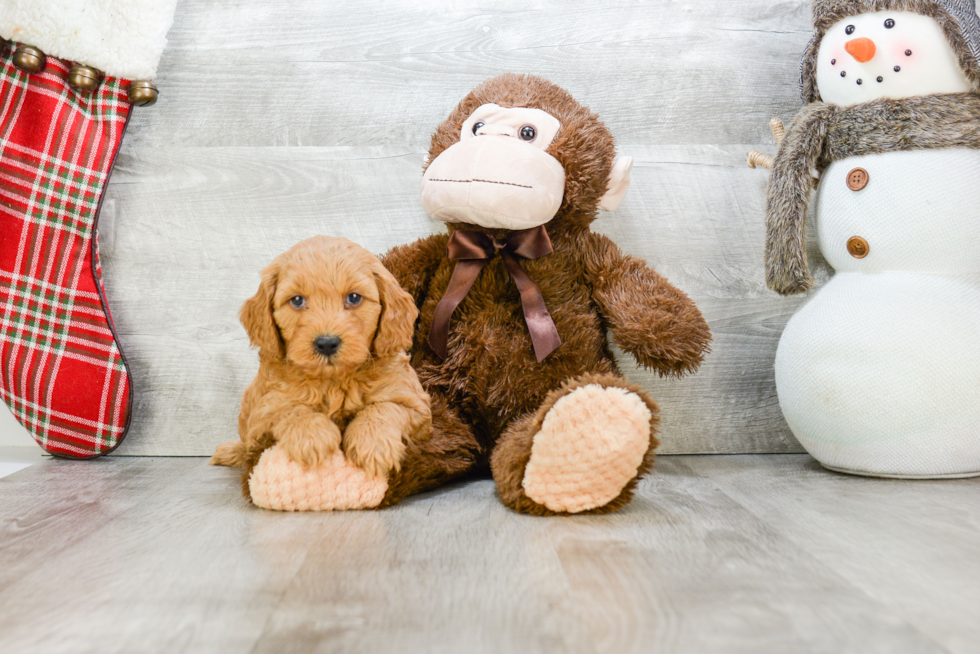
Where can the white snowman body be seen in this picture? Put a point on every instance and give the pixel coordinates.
(879, 373)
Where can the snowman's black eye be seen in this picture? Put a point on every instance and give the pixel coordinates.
(477, 125)
(889, 24)
(849, 29)
(528, 133)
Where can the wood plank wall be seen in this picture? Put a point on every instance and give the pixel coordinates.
(281, 120)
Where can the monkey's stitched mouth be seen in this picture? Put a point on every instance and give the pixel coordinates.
(483, 181)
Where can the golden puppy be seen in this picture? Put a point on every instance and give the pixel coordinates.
(332, 327)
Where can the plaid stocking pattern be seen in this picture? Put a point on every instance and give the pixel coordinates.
(63, 375)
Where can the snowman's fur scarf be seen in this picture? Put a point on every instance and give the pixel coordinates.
(823, 133)
(828, 12)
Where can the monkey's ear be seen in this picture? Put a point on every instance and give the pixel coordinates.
(256, 315)
(618, 184)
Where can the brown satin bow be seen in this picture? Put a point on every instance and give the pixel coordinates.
(472, 251)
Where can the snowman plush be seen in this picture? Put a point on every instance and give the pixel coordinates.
(879, 373)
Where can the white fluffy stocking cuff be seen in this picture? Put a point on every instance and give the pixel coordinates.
(123, 38)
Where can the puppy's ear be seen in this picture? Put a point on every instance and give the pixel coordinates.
(398, 313)
(256, 315)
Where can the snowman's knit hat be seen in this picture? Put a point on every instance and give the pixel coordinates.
(957, 18)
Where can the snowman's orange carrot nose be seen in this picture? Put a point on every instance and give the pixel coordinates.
(861, 49)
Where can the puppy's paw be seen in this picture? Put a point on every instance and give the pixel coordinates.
(374, 447)
(310, 439)
(230, 453)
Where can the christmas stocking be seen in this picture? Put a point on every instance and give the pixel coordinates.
(69, 76)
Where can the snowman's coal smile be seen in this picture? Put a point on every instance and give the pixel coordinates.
(879, 79)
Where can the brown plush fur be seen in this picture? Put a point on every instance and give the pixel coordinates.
(828, 12)
(823, 133)
(364, 398)
(490, 392)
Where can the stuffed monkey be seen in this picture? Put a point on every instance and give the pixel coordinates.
(515, 304)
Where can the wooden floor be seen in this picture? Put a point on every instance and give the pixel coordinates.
(753, 553)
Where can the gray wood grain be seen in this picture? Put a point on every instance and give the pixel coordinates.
(716, 554)
(867, 538)
(281, 121)
(385, 73)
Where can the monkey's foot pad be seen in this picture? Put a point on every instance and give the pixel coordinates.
(591, 444)
(336, 484)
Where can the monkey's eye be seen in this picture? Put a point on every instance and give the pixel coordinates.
(849, 29)
(353, 299)
(889, 24)
(477, 125)
(297, 301)
(528, 133)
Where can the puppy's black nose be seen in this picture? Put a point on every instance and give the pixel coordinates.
(326, 345)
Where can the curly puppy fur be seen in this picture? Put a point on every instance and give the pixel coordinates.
(828, 12)
(365, 397)
(823, 133)
(490, 385)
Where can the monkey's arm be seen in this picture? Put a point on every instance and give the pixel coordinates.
(648, 317)
(414, 264)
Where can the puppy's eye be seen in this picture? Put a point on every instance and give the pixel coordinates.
(849, 29)
(528, 133)
(297, 301)
(353, 299)
(477, 125)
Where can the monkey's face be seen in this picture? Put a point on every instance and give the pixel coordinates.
(499, 175)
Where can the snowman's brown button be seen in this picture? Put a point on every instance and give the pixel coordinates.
(857, 247)
(857, 179)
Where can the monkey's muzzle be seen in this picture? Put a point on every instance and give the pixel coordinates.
(493, 181)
